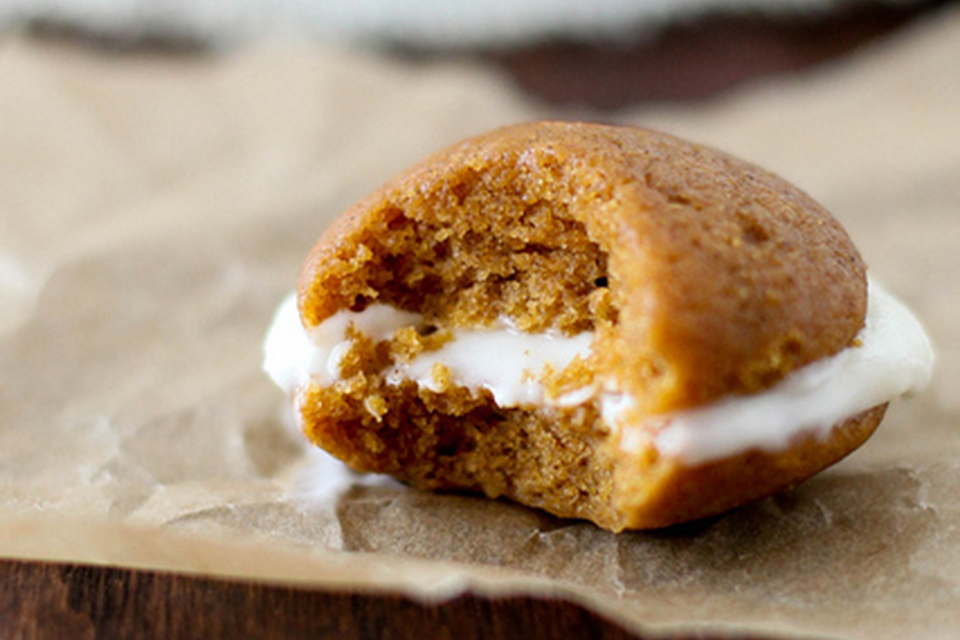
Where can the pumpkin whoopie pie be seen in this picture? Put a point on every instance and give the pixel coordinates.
(604, 322)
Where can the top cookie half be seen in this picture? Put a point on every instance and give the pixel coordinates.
(699, 274)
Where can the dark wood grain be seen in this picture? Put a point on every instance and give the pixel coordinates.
(702, 58)
(49, 600)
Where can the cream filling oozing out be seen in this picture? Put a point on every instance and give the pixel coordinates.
(501, 359)
(894, 357)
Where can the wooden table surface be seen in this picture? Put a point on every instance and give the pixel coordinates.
(55, 600)
(51, 600)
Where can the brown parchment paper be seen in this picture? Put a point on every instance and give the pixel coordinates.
(155, 209)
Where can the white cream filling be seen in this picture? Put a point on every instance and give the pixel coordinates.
(502, 359)
(894, 357)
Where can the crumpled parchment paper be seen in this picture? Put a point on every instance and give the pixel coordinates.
(155, 209)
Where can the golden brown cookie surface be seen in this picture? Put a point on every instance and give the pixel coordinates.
(699, 275)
